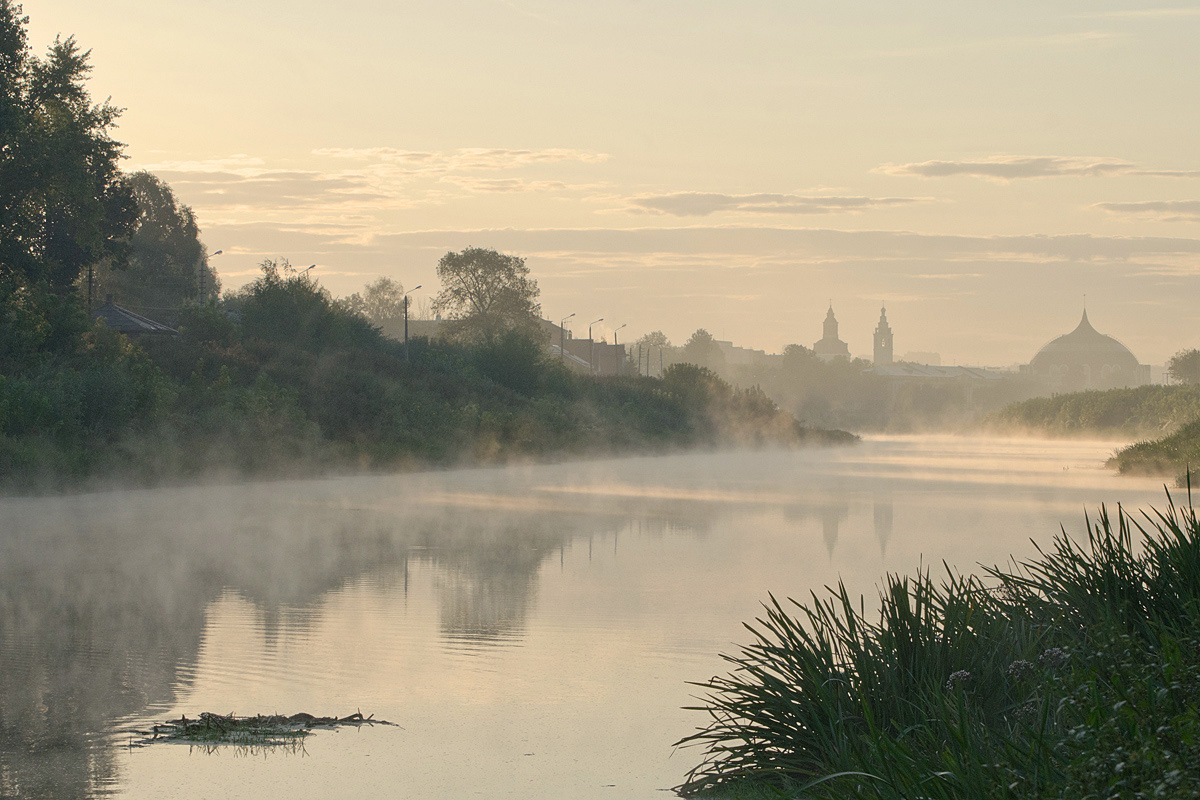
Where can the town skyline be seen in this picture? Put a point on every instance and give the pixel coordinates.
(669, 167)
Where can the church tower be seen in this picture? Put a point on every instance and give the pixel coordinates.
(883, 340)
(830, 346)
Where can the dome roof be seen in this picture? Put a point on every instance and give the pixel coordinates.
(1084, 344)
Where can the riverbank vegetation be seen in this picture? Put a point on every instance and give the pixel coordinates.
(281, 380)
(1076, 674)
(1129, 412)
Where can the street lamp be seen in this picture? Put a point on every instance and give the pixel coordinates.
(616, 354)
(406, 294)
(592, 346)
(562, 336)
(304, 271)
(217, 253)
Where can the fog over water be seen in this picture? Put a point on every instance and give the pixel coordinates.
(531, 629)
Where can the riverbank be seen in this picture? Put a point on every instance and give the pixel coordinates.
(285, 383)
(1074, 674)
(1141, 411)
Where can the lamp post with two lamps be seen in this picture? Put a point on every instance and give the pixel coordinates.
(562, 336)
(202, 264)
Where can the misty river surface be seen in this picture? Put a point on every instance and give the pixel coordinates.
(531, 629)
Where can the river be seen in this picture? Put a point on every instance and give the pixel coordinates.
(530, 629)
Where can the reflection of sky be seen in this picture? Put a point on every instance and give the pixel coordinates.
(555, 610)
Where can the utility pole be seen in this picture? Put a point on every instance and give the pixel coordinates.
(406, 294)
(592, 346)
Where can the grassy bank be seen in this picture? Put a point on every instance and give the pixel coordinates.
(1173, 454)
(1145, 410)
(1073, 675)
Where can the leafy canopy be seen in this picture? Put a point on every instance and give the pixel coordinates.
(64, 205)
(485, 293)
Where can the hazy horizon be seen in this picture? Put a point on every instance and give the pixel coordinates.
(672, 166)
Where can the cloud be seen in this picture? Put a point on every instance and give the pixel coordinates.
(1008, 168)
(263, 190)
(1166, 210)
(759, 245)
(702, 204)
(513, 185)
(1048, 40)
(1146, 13)
(464, 158)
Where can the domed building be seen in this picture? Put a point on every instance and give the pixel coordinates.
(1087, 359)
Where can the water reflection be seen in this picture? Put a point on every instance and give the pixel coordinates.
(116, 606)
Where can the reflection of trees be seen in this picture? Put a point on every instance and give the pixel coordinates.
(103, 598)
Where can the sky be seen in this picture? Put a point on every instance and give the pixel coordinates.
(669, 165)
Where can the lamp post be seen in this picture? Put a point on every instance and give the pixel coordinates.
(592, 346)
(217, 253)
(304, 271)
(562, 336)
(406, 294)
(616, 354)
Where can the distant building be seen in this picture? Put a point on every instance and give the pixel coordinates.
(923, 357)
(830, 346)
(129, 323)
(739, 356)
(883, 340)
(1086, 359)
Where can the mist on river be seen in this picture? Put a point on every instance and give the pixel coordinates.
(551, 610)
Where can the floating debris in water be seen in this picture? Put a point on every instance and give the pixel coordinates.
(270, 731)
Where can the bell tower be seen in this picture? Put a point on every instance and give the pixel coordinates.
(883, 339)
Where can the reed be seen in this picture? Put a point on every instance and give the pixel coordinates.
(1074, 674)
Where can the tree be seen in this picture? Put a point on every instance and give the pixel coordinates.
(654, 339)
(485, 293)
(382, 303)
(1184, 366)
(166, 257)
(702, 350)
(63, 203)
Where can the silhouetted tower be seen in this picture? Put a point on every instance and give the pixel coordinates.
(883, 339)
(830, 345)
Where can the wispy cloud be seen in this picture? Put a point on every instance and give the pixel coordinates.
(1165, 210)
(465, 158)
(1008, 168)
(1145, 13)
(702, 204)
(1089, 38)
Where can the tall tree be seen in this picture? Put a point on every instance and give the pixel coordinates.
(167, 265)
(486, 293)
(63, 203)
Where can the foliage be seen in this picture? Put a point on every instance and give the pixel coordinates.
(1073, 675)
(1138, 410)
(381, 302)
(1173, 454)
(286, 306)
(63, 205)
(1184, 366)
(485, 293)
(166, 258)
(280, 380)
(702, 350)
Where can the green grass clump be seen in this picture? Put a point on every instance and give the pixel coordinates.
(1073, 675)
